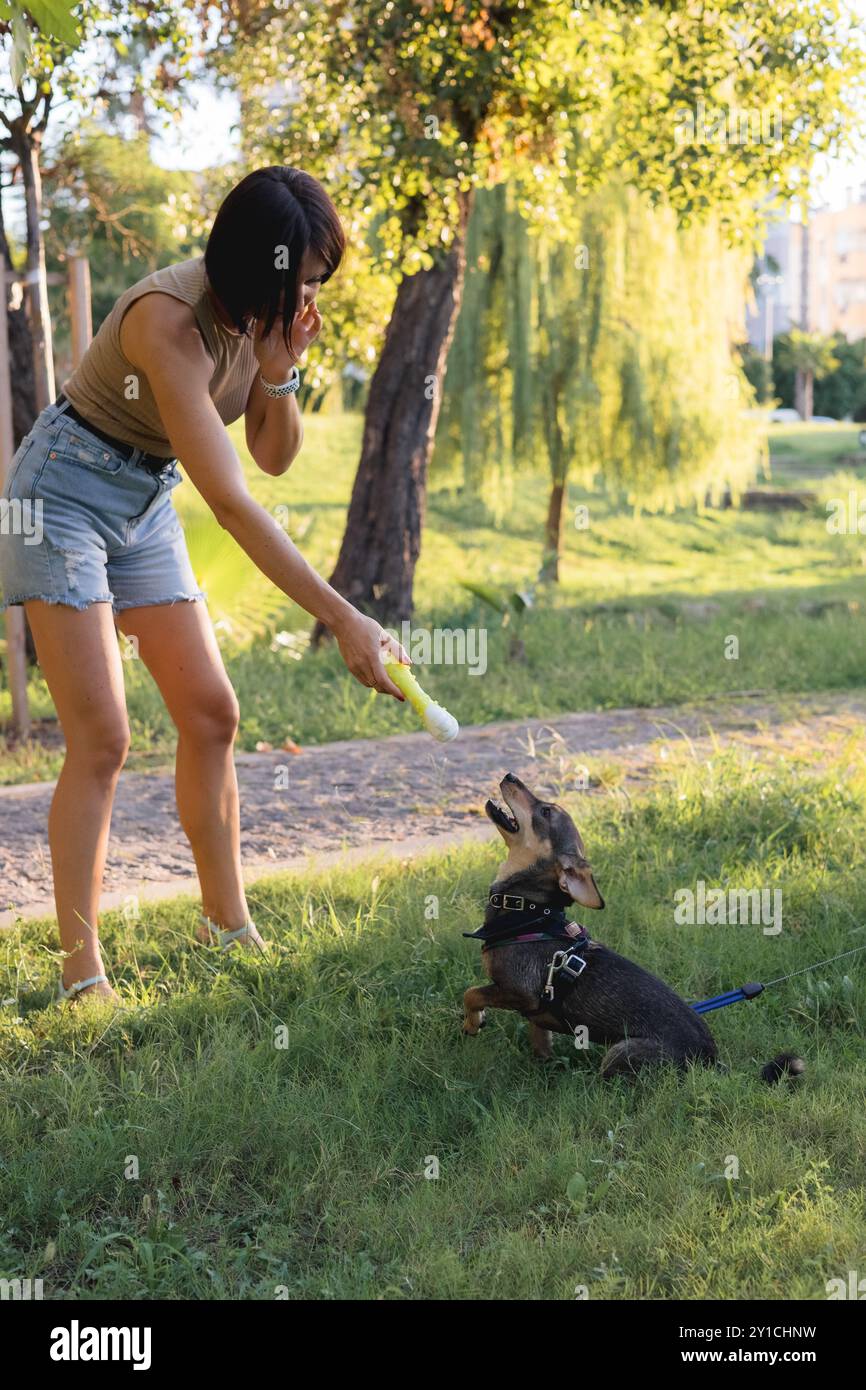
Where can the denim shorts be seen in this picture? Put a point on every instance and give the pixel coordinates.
(81, 523)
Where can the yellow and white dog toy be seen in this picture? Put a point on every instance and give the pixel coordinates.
(436, 720)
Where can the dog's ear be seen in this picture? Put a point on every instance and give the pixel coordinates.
(575, 878)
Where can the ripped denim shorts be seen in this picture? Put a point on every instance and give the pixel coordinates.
(82, 523)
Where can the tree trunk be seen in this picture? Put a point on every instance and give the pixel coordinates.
(808, 394)
(382, 541)
(26, 144)
(22, 380)
(551, 393)
(553, 532)
(20, 355)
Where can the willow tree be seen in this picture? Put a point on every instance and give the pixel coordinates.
(570, 297)
(486, 427)
(404, 108)
(632, 375)
(673, 425)
(476, 437)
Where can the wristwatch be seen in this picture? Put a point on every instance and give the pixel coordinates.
(287, 387)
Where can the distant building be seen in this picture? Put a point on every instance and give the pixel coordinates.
(776, 305)
(834, 244)
(837, 270)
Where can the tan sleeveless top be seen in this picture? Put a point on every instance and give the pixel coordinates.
(115, 396)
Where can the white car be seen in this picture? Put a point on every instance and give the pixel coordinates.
(785, 416)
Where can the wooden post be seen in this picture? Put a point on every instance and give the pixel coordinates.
(80, 314)
(16, 657)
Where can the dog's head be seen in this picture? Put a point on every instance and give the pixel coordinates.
(544, 844)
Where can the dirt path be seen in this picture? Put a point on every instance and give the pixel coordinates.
(399, 795)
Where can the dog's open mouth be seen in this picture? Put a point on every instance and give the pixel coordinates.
(501, 816)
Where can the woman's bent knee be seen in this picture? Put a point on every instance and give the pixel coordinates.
(102, 753)
(214, 720)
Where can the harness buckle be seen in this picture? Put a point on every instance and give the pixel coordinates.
(566, 966)
(513, 900)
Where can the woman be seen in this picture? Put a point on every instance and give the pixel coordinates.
(181, 355)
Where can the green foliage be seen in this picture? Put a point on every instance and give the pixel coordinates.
(105, 59)
(110, 200)
(242, 601)
(52, 18)
(839, 392)
(806, 352)
(486, 418)
(757, 371)
(671, 422)
(403, 110)
(406, 104)
(618, 363)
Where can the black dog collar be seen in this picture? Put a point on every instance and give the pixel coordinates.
(552, 923)
(516, 902)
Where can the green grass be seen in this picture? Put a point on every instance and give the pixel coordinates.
(621, 622)
(799, 453)
(261, 1167)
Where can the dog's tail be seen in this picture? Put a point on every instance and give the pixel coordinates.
(787, 1064)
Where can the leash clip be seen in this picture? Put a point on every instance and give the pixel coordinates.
(555, 965)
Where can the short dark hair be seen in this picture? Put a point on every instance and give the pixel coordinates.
(272, 215)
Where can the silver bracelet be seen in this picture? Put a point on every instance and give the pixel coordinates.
(287, 387)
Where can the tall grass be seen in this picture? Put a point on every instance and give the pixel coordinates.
(264, 1167)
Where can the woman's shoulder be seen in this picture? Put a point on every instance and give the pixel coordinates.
(183, 282)
(157, 322)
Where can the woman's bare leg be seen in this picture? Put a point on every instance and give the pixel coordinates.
(178, 645)
(79, 658)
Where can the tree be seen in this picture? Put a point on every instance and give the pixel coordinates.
(811, 357)
(486, 423)
(570, 296)
(42, 76)
(757, 371)
(405, 109)
(633, 382)
(129, 216)
(841, 393)
(25, 121)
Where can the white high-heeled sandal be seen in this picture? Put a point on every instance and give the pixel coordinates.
(226, 939)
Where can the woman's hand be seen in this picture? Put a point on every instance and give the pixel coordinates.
(274, 356)
(362, 643)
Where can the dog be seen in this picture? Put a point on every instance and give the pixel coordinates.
(592, 992)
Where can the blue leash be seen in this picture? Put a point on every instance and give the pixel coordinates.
(751, 991)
